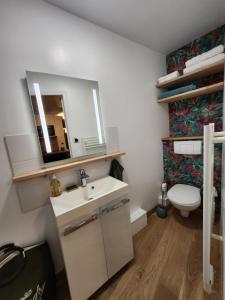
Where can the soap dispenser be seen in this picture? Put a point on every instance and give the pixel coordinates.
(55, 186)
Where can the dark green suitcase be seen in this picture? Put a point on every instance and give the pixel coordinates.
(26, 274)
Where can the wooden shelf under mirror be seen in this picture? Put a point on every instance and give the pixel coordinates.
(194, 93)
(200, 73)
(64, 167)
(182, 138)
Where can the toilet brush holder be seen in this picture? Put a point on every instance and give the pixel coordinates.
(161, 211)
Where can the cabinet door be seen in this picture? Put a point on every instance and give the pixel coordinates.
(84, 257)
(117, 236)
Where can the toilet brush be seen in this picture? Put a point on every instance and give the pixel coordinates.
(161, 209)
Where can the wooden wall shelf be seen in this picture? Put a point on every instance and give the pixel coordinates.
(182, 138)
(64, 167)
(200, 73)
(194, 93)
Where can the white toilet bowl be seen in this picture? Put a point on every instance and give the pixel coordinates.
(185, 198)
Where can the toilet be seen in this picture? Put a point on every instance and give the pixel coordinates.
(184, 197)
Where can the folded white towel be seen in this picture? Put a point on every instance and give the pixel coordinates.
(204, 63)
(197, 59)
(172, 75)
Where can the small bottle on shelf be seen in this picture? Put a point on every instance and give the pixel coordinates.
(55, 186)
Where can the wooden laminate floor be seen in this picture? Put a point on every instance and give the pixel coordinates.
(167, 264)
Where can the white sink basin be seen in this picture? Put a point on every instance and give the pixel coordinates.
(71, 205)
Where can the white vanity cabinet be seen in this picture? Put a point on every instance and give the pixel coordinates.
(95, 234)
(84, 256)
(117, 236)
(96, 246)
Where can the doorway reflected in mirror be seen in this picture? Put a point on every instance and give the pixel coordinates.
(56, 128)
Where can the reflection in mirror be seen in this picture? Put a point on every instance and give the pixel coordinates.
(67, 116)
(54, 145)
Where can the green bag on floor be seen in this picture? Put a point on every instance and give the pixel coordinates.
(26, 274)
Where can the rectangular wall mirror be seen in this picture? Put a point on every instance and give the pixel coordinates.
(67, 116)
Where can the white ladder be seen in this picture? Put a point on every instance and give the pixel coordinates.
(210, 138)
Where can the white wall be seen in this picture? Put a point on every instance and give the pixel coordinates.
(38, 37)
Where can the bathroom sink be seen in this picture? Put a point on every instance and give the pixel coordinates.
(104, 186)
(84, 200)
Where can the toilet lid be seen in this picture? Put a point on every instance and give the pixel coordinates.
(184, 194)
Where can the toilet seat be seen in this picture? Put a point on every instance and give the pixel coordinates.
(184, 195)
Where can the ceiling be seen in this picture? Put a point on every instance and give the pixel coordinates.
(163, 25)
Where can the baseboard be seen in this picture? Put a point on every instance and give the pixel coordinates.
(150, 212)
(138, 220)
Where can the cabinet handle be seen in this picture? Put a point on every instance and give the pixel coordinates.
(70, 229)
(121, 203)
(112, 208)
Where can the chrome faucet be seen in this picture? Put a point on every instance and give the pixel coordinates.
(83, 177)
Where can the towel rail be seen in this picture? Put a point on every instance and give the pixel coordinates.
(219, 140)
(209, 193)
(221, 133)
(208, 272)
(217, 237)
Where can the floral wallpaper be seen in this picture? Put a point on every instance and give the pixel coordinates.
(176, 59)
(188, 169)
(187, 118)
